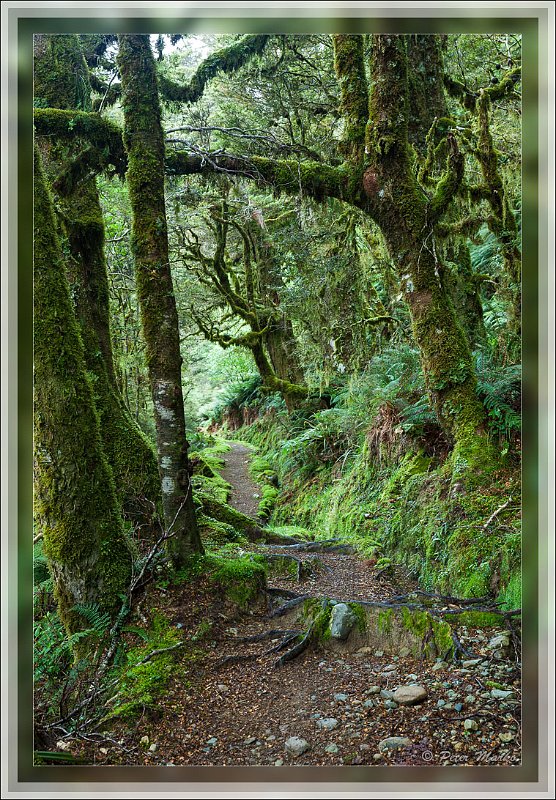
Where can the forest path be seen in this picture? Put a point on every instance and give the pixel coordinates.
(236, 706)
(242, 707)
(245, 494)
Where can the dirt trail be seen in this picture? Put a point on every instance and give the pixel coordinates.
(245, 493)
(243, 712)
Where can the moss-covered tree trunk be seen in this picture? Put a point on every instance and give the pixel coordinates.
(75, 500)
(61, 80)
(143, 138)
(428, 107)
(407, 218)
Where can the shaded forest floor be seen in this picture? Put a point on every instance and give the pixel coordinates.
(227, 703)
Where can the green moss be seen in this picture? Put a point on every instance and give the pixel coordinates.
(242, 579)
(226, 59)
(361, 616)
(75, 499)
(268, 501)
(385, 620)
(349, 64)
(429, 630)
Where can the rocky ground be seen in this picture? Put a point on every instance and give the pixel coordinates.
(363, 707)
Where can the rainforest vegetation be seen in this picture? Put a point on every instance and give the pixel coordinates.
(277, 398)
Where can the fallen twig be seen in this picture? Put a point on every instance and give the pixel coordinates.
(495, 513)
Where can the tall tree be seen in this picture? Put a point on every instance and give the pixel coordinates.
(75, 499)
(144, 143)
(61, 81)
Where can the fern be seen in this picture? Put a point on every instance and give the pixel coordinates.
(98, 620)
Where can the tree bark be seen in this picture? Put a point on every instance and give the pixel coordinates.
(143, 139)
(61, 79)
(407, 218)
(75, 500)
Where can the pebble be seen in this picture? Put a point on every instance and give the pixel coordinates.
(386, 694)
(390, 704)
(154, 747)
(296, 746)
(223, 688)
(458, 706)
(331, 748)
(64, 746)
(250, 740)
(368, 704)
(210, 741)
(340, 697)
(144, 740)
(410, 695)
(472, 662)
(279, 762)
(470, 698)
(470, 725)
(441, 703)
(394, 743)
(439, 665)
(103, 750)
(373, 690)
(506, 737)
(379, 653)
(377, 756)
(327, 724)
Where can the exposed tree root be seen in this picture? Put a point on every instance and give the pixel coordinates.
(260, 637)
(293, 603)
(324, 546)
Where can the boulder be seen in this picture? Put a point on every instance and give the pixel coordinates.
(342, 621)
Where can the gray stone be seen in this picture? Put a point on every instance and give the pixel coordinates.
(342, 621)
(500, 694)
(410, 695)
(279, 762)
(222, 687)
(250, 740)
(394, 743)
(296, 746)
(327, 724)
(373, 690)
(386, 694)
(506, 737)
(470, 725)
(458, 706)
(470, 698)
(331, 748)
(390, 704)
(439, 665)
(341, 698)
(499, 642)
(211, 741)
(368, 704)
(472, 662)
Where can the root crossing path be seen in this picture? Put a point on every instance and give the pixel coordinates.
(239, 705)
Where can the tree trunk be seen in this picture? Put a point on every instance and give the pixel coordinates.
(144, 143)
(75, 501)
(61, 80)
(407, 218)
(427, 103)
